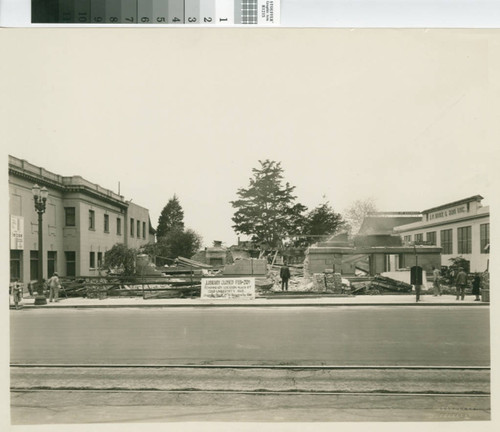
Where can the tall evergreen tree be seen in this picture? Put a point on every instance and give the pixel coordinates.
(171, 218)
(174, 244)
(322, 221)
(266, 210)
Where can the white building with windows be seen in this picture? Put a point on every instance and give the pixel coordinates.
(461, 228)
(81, 222)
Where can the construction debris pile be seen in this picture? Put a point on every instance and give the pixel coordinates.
(380, 285)
(183, 279)
(328, 282)
(297, 281)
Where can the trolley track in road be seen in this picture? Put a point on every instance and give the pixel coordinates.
(249, 366)
(95, 393)
(263, 379)
(259, 392)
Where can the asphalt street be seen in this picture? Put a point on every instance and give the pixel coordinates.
(117, 365)
(451, 336)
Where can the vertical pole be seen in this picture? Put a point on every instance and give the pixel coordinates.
(40, 298)
(40, 253)
(142, 274)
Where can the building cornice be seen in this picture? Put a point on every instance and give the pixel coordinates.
(477, 198)
(56, 183)
(405, 228)
(374, 249)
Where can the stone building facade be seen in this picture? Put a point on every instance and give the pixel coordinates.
(81, 222)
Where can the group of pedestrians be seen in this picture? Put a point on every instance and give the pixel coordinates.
(53, 285)
(461, 283)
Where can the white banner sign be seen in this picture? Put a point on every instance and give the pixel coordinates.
(228, 288)
(17, 232)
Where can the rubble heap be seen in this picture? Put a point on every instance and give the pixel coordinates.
(383, 283)
(328, 282)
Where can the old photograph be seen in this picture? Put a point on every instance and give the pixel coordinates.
(224, 226)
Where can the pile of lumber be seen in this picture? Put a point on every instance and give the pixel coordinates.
(186, 262)
(383, 283)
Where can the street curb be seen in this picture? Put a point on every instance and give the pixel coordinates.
(233, 305)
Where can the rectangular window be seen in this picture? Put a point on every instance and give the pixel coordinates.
(70, 216)
(447, 242)
(51, 263)
(138, 229)
(16, 258)
(91, 219)
(431, 238)
(106, 223)
(70, 263)
(407, 239)
(131, 227)
(419, 238)
(118, 226)
(464, 235)
(92, 260)
(144, 230)
(99, 260)
(33, 265)
(485, 238)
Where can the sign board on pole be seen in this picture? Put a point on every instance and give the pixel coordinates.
(17, 232)
(416, 275)
(228, 288)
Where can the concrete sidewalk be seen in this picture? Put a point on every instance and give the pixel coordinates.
(276, 300)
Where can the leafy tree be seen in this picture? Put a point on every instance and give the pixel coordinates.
(121, 257)
(171, 218)
(322, 221)
(174, 244)
(355, 214)
(266, 210)
(450, 273)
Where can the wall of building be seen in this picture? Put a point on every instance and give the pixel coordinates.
(58, 237)
(478, 259)
(136, 214)
(21, 205)
(320, 259)
(96, 240)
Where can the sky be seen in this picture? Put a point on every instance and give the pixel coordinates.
(406, 117)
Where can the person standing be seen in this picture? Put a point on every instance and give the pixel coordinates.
(17, 293)
(461, 283)
(54, 285)
(476, 286)
(284, 275)
(436, 281)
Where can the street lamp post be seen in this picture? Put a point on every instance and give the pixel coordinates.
(40, 197)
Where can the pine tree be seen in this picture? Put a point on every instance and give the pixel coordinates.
(171, 218)
(322, 221)
(266, 210)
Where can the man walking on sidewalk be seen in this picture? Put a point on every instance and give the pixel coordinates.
(461, 283)
(54, 286)
(436, 283)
